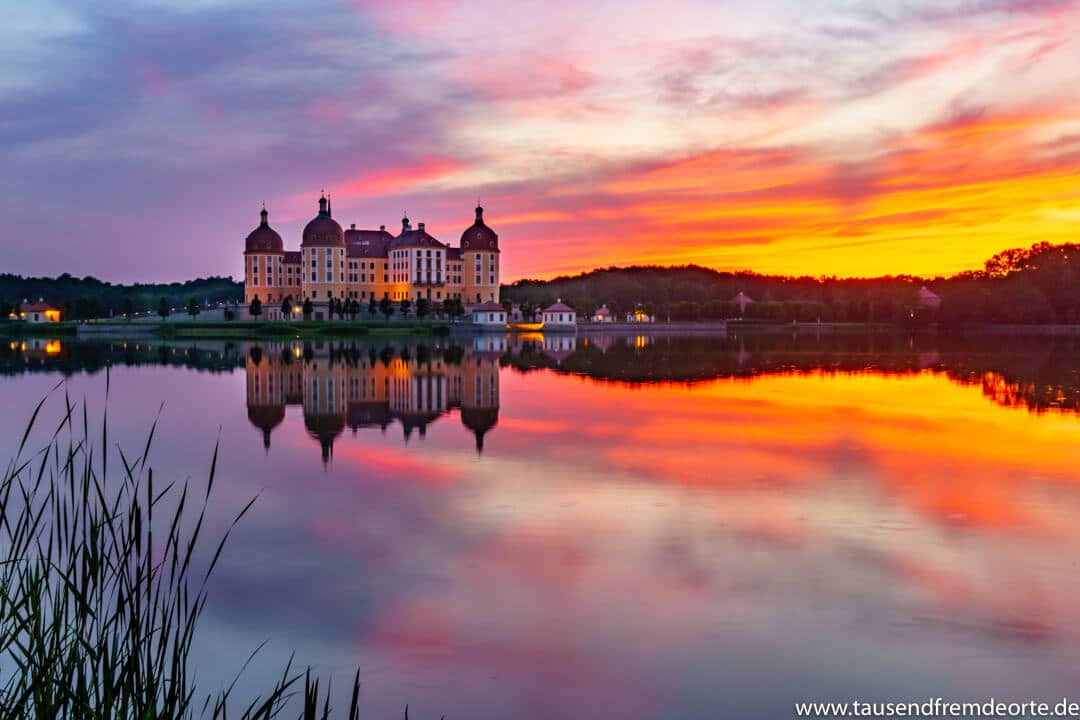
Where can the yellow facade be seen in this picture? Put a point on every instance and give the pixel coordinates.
(361, 265)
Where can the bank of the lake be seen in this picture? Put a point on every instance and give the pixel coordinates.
(257, 330)
(38, 330)
(245, 329)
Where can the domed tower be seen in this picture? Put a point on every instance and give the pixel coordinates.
(480, 394)
(480, 262)
(264, 255)
(325, 390)
(322, 259)
(265, 395)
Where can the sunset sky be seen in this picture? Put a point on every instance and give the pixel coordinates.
(830, 137)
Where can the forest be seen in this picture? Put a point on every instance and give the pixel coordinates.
(1040, 284)
(87, 297)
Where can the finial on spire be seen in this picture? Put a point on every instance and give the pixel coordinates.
(328, 210)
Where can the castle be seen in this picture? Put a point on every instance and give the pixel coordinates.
(366, 265)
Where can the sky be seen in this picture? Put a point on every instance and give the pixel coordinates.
(834, 137)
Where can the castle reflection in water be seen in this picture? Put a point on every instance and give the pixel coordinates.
(371, 382)
(348, 386)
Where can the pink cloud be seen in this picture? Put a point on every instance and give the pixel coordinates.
(398, 180)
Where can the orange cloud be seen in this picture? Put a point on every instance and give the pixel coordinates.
(937, 200)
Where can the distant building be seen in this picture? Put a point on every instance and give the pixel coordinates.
(361, 265)
(38, 312)
(489, 314)
(639, 315)
(559, 316)
(603, 315)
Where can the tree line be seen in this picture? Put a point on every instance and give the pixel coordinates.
(450, 308)
(1040, 284)
(87, 297)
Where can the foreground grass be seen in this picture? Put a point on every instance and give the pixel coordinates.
(102, 584)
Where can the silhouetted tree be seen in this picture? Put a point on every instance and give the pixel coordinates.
(458, 309)
(194, 308)
(255, 308)
(163, 308)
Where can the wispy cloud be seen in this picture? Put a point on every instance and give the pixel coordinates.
(934, 133)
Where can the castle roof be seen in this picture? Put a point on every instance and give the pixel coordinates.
(39, 306)
(415, 238)
(323, 230)
(367, 243)
(263, 239)
(479, 236)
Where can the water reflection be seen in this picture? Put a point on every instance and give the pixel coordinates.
(657, 527)
(370, 383)
(354, 386)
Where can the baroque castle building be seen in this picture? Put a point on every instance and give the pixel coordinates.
(362, 265)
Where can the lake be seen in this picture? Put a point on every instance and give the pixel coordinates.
(633, 527)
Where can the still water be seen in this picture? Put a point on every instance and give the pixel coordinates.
(645, 527)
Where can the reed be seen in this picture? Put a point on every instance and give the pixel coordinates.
(104, 577)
